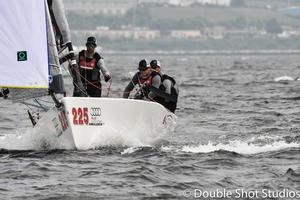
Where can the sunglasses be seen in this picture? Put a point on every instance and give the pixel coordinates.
(145, 69)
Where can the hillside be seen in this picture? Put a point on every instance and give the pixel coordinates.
(256, 17)
(183, 18)
(221, 16)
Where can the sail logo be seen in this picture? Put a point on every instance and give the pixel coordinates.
(22, 55)
(95, 113)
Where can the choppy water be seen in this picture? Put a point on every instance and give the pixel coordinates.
(237, 137)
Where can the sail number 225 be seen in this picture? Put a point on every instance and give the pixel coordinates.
(80, 116)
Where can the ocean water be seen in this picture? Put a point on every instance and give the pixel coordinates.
(237, 137)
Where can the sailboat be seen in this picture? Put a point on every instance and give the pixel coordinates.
(30, 67)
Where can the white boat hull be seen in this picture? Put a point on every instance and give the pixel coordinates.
(85, 123)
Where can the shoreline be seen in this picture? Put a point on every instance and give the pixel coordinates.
(202, 52)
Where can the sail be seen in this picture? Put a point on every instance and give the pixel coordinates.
(59, 20)
(56, 79)
(23, 44)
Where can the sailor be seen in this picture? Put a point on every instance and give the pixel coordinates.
(91, 64)
(4, 93)
(145, 78)
(168, 86)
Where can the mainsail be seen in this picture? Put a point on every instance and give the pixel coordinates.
(23, 44)
(29, 47)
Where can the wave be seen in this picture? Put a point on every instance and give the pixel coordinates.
(285, 78)
(240, 147)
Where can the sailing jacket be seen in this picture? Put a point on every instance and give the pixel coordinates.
(90, 68)
(153, 80)
(168, 85)
(169, 97)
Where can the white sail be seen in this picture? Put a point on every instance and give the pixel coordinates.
(23, 44)
(61, 20)
(56, 81)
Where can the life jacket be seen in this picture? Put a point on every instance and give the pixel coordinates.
(88, 68)
(146, 83)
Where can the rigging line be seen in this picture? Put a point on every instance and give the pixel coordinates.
(82, 78)
(89, 82)
(109, 87)
(76, 71)
(27, 106)
(45, 101)
(62, 49)
(85, 79)
(33, 105)
(54, 65)
(45, 109)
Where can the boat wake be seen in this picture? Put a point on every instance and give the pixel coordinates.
(30, 140)
(33, 140)
(119, 138)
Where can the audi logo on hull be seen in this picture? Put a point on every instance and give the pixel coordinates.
(95, 112)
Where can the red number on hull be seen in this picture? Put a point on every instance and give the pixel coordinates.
(80, 116)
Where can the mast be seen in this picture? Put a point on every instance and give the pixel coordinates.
(63, 41)
(56, 80)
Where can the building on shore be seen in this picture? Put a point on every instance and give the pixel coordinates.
(135, 34)
(105, 7)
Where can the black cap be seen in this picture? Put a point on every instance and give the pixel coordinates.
(91, 40)
(154, 64)
(143, 65)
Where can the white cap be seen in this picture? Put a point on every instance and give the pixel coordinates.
(158, 63)
(155, 63)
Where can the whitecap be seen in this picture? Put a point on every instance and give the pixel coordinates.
(284, 78)
(240, 147)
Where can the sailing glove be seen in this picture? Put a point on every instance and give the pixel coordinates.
(5, 92)
(107, 78)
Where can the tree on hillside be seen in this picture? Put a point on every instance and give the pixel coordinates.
(238, 3)
(272, 26)
(139, 16)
